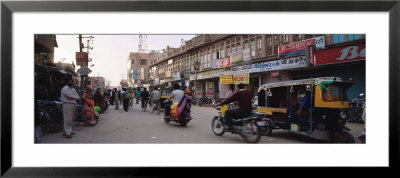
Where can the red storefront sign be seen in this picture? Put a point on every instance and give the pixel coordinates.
(222, 63)
(342, 54)
(294, 48)
(81, 58)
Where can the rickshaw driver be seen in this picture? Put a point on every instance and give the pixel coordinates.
(303, 113)
(243, 96)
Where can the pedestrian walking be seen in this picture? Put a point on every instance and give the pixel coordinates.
(137, 94)
(125, 99)
(68, 97)
(144, 96)
(117, 98)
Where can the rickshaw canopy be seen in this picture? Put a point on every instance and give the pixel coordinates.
(315, 81)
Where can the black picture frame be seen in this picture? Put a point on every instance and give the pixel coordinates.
(8, 7)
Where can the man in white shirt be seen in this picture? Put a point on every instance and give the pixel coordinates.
(68, 97)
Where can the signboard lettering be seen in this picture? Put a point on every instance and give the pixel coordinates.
(241, 78)
(81, 58)
(294, 48)
(342, 54)
(225, 79)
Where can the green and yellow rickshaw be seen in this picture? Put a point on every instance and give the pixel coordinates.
(314, 107)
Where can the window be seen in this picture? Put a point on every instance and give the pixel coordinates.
(238, 47)
(276, 40)
(132, 61)
(259, 43)
(269, 41)
(337, 38)
(253, 48)
(298, 38)
(228, 51)
(353, 37)
(285, 38)
(246, 45)
(334, 93)
(233, 48)
(143, 61)
(222, 54)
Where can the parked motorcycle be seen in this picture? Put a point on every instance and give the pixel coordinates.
(247, 127)
(182, 121)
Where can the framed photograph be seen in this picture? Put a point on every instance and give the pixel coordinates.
(306, 38)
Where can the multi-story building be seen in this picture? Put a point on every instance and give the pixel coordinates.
(44, 49)
(138, 73)
(256, 59)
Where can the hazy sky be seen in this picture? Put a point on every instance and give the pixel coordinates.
(110, 52)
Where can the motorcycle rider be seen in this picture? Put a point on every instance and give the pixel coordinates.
(155, 98)
(243, 96)
(176, 96)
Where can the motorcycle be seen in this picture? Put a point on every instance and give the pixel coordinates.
(248, 127)
(182, 121)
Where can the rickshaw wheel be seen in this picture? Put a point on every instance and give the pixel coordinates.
(344, 137)
(268, 130)
(166, 120)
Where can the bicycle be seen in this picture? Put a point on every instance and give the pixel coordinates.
(83, 115)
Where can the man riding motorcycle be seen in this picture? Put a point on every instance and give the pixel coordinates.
(243, 96)
(175, 97)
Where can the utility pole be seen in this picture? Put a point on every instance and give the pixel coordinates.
(82, 77)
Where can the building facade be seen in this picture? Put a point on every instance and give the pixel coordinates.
(208, 63)
(138, 71)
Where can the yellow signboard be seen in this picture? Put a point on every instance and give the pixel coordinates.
(241, 78)
(225, 79)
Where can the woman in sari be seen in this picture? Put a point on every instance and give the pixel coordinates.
(88, 104)
(185, 104)
(99, 100)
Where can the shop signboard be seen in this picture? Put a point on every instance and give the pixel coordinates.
(294, 48)
(210, 90)
(342, 54)
(84, 71)
(241, 78)
(241, 69)
(225, 79)
(168, 74)
(186, 74)
(246, 56)
(176, 75)
(294, 62)
(319, 42)
(225, 62)
(81, 58)
(162, 82)
(236, 57)
(265, 66)
(215, 63)
(310, 55)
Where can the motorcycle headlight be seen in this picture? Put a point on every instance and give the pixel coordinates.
(342, 115)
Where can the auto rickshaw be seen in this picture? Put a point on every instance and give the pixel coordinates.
(315, 107)
(165, 92)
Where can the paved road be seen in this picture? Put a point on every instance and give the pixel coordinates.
(135, 126)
